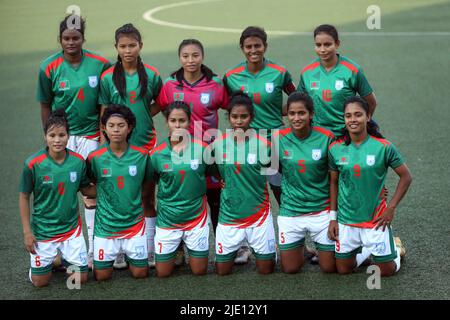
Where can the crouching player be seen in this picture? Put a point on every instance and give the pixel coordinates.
(54, 176)
(122, 174)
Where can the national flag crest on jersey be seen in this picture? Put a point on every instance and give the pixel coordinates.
(64, 85)
(339, 84)
(194, 164)
(178, 96)
(204, 98)
(370, 160)
(287, 154)
(167, 167)
(316, 154)
(106, 172)
(47, 179)
(93, 81)
(251, 158)
(314, 85)
(132, 170)
(73, 176)
(269, 87)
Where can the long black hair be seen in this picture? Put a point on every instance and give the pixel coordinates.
(57, 119)
(179, 74)
(72, 22)
(372, 127)
(177, 105)
(119, 73)
(241, 99)
(120, 111)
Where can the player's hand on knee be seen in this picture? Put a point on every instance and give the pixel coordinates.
(29, 241)
(333, 230)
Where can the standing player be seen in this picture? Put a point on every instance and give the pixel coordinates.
(332, 78)
(245, 213)
(359, 163)
(54, 176)
(196, 85)
(134, 84)
(305, 197)
(264, 81)
(69, 80)
(122, 173)
(180, 169)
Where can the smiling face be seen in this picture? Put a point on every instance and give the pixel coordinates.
(254, 49)
(72, 42)
(128, 48)
(191, 58)
(325, 46)
(117, 129)
(56, 138)
(299, 116)
(355, 118)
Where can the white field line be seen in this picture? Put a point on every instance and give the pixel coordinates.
(149, 16)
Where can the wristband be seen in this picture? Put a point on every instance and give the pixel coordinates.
(333, 215)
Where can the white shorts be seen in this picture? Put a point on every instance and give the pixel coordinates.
(380, 243)
(292, 231)
(260, 238)
(168, 240)
(82, 145)
(73, 251)
(106, 251)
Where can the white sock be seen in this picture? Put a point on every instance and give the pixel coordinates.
(361, 257)
(89, 217)
(29, 276)
(150, 224)
(397, 260)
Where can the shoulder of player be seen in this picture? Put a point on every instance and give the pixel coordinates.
(51, 63)
(349, 64)
(235, 70)
(311, 66)
(94, 56)
(199, 142)
(275, 66)
(382, 141)
(323, 131)
(35, 158)
(262, 139)
(217, 80)
(107, 74)
(76, 155)
(97, 153)
(151, 70)
(159, 148)
(281, 133)
(336, 143)
(171, 80)
(140, 150)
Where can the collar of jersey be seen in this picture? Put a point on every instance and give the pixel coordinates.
(69, 64)
(259, 72)
(358, 146)
(53, 160)
(334, 68)
(114, 155)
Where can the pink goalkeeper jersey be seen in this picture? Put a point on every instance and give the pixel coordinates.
(204, 97)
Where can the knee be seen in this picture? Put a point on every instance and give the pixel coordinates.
(141, 274)
(84, 278)
(344, 269)
(40, 283)
(328, 269)
(289, 269)
(102, 276)
(221, 271)
(266, 269)
(199, 272)
(163, 273)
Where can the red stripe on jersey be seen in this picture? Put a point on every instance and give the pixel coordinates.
(350, 66)
(53, 66)
(376, 214)
(152, 142)
(201, 219)
(96, 57)
(79, 156)
(97, 153)
(159, 148)
(152, 68)
(65, 236)
(324, 131)
(311, 66)
(94, 136)
(340, 141)
(109, 70)
(202, 143)
(131, 232)
(382, 141)
(139, 149)
(80, 95)
(236, 70)
(262, 139)
(276, 67)
(283, 132)
(37, 160)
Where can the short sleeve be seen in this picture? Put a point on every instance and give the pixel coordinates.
(85, 181)
(44, 92)
(156, 86)
(362, 85)
(26, 181)
(162, 99)
(301, 85)
(394, 158)
(288, 84)
(104, 96)
(331, 161)
(149, 172)
(90, 172)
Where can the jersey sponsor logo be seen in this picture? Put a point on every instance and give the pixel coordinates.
(178, 96)
(244, 89)
(140, 252)
(194, 164)
(63, 85)
(314, 85)
(73, 176)
(83, 258)
(47, 179)
(271, 245)
(167, 167)
(287, 154)
(251, 158)
(132, 170)
(269, 87)
(370, 160)
(380, 248)
(343, 161)
(93, 81)
(316, 154)
(204, 98)
(339, 84)
(106, 172)
(202, 244)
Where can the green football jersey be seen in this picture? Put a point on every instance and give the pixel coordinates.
(54, 186)
(119, 212)
(304, 162)
(362, 173)
(245, 199)
(329, 90)
(144, 134)
(181, 179)
(265, 89)
(74, 89)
